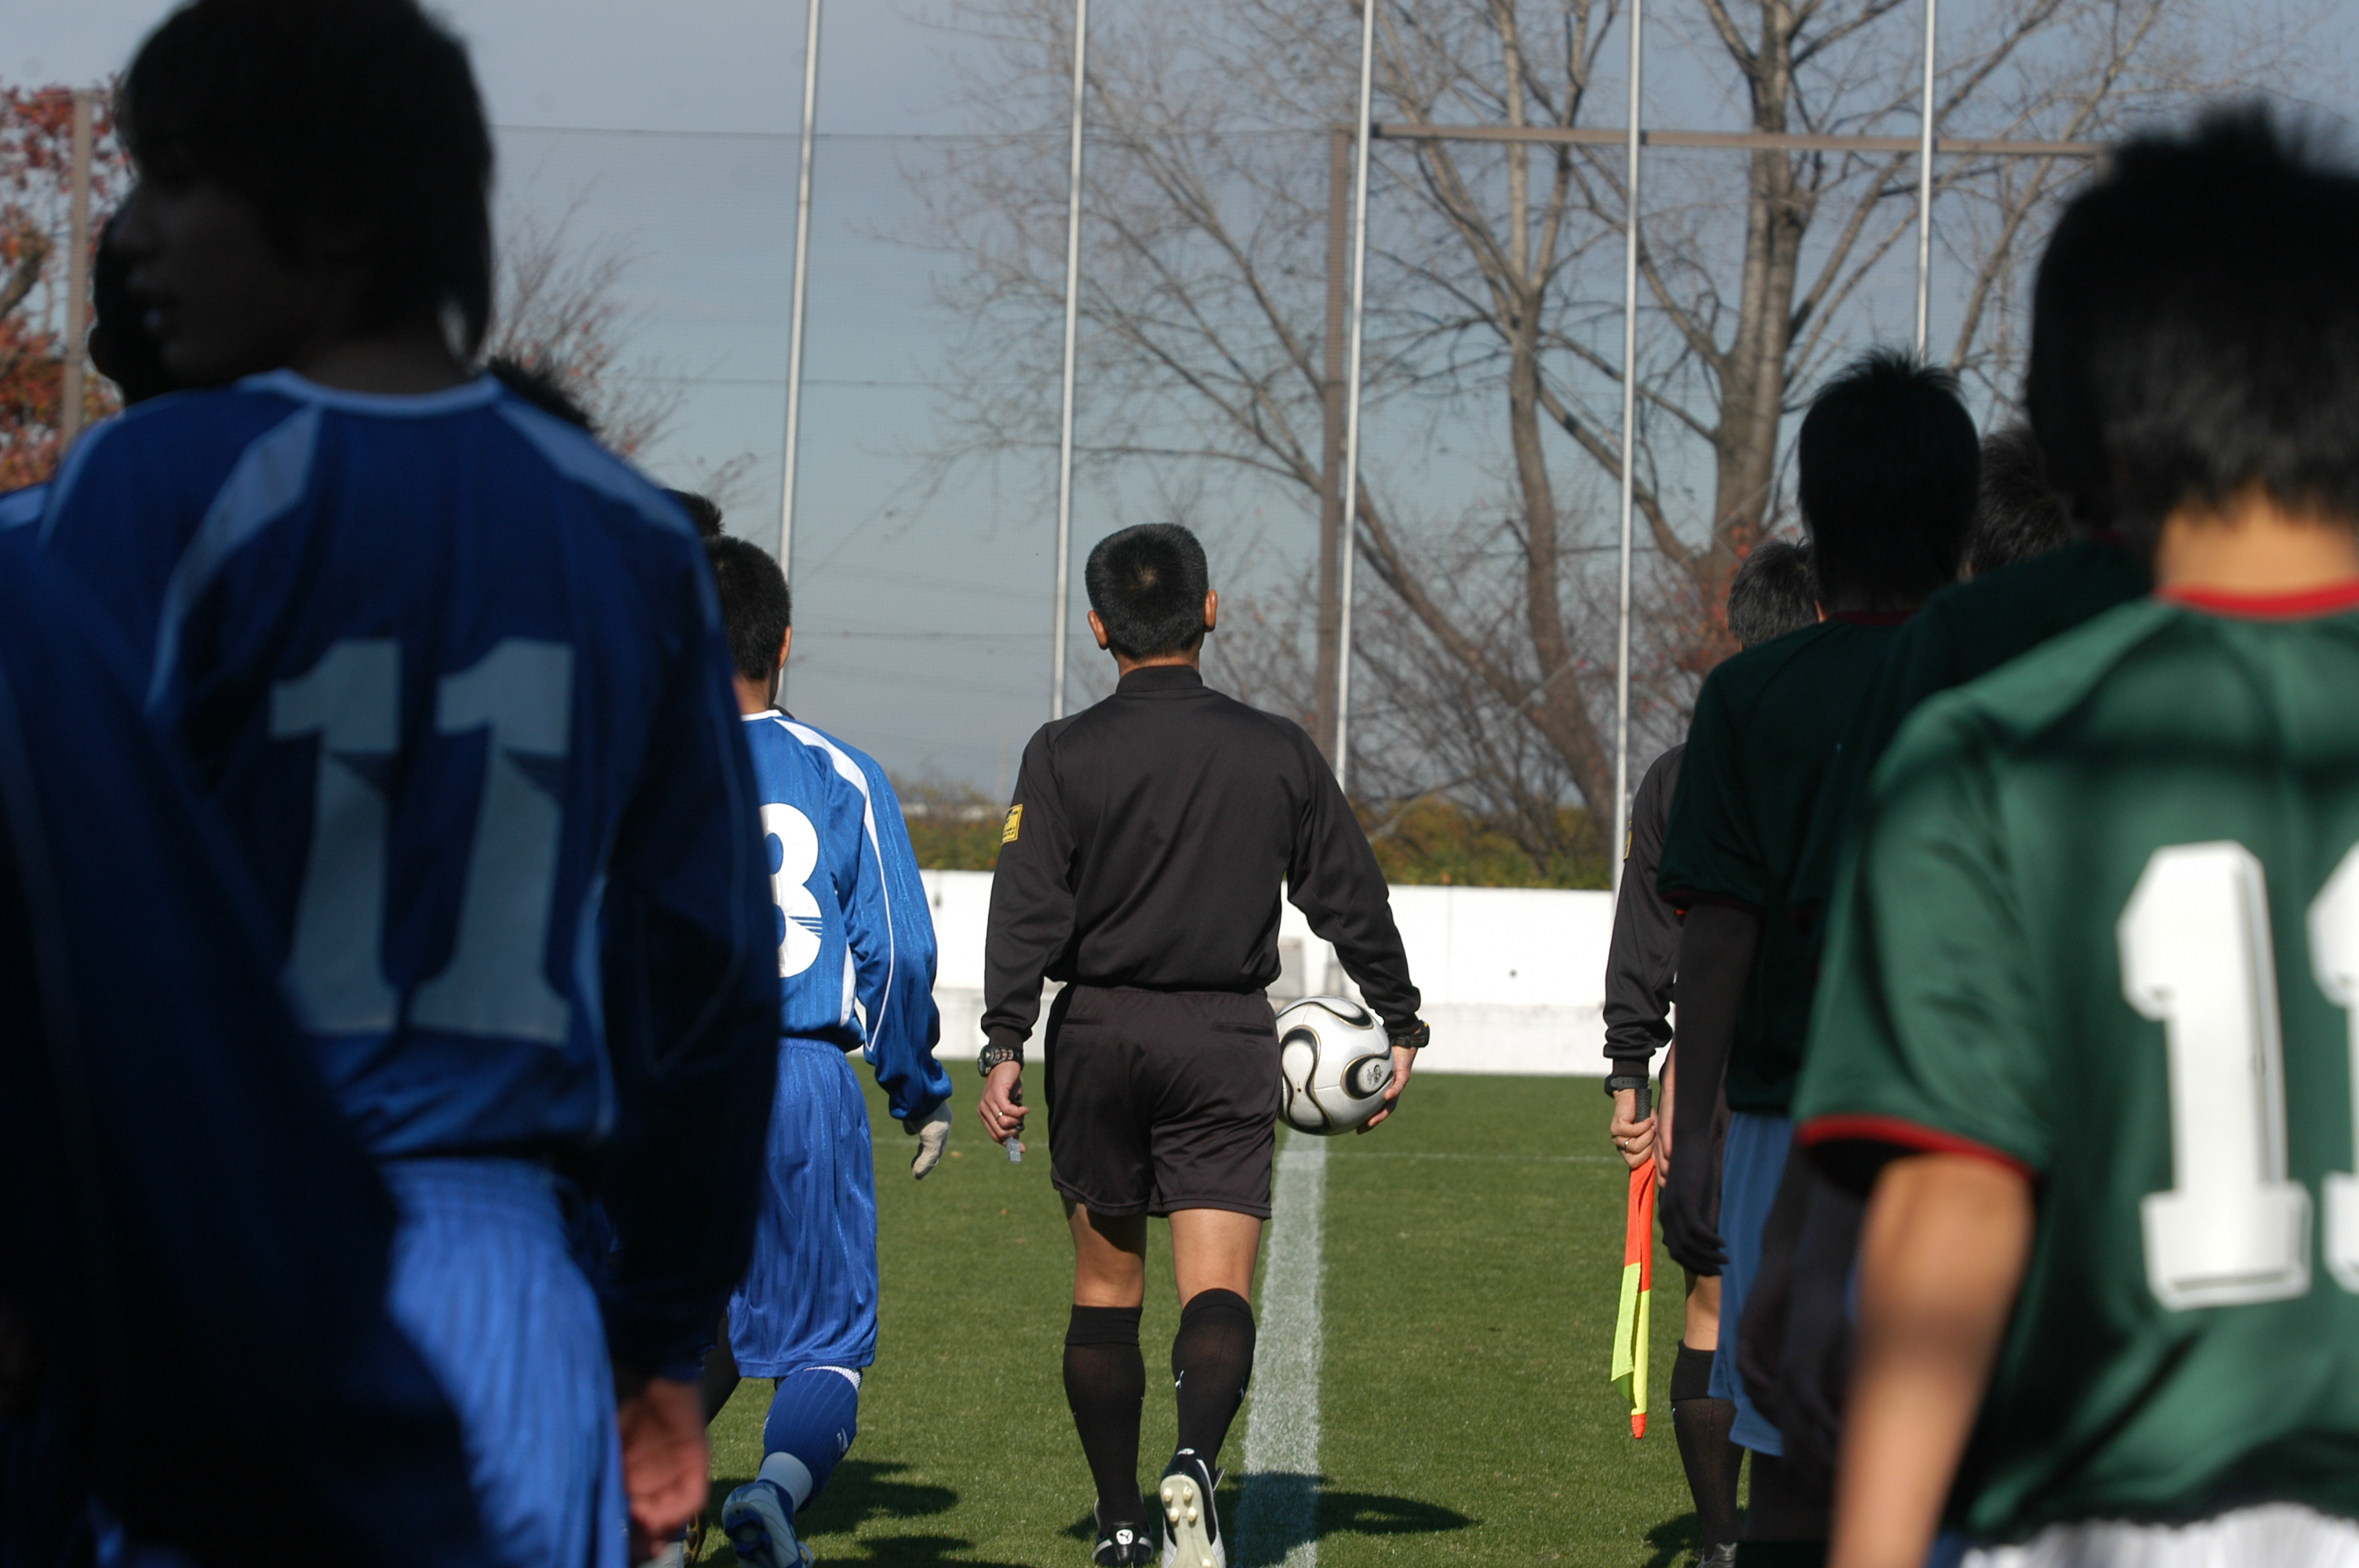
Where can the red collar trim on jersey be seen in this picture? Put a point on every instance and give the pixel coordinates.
(1873, 617)
(2310, 601)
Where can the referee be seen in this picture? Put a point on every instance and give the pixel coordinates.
(1141, 864)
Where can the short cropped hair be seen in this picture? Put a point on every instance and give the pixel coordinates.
(127, 352)
(539, 386)
(1148, 585)
(2020, 514)
(1773, 592)
(2195, 327)
(1888, 462)
(755, 607)
(702, 510)
(359, 113)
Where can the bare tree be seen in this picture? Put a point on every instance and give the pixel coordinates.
(1492, 293)
(560, 311)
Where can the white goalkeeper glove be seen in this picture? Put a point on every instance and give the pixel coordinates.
(932, 1133)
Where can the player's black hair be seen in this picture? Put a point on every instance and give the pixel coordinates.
(1773, 592)
(1888, 462)
(756, 606)
(1148, 585)
(125, 352)
(2019, 515)
(333, 117)
(701, 510)
(2195, 326)
(541, 387)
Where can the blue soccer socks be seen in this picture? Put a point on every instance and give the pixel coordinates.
(814, 1416)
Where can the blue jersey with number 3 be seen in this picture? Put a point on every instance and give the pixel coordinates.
(855, 942)
(453, 675)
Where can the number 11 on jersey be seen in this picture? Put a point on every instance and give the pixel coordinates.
(2197, 956)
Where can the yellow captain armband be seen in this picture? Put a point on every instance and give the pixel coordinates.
(1013, 825)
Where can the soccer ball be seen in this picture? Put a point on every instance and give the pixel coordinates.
(1335, 1063)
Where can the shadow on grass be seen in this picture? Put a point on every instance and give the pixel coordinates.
(1282, 1510)
(863, 1490)
(1675, 1541)
(1268, 1515)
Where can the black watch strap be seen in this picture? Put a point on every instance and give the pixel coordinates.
(1416, 1037)
(1620, 1081)
(995, 1053)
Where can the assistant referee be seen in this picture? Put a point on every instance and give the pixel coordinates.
(1141, 863)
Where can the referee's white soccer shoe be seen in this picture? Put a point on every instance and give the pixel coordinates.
(1192, 1525)
(758, 1519)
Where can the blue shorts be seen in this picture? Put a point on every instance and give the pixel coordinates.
(1751, 1165)
(484, 1280)
(808, 1298)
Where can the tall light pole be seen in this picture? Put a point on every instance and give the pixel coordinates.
(1072, 333)
(1361, 132)
(1925, 186)
(1629, 447)
(802, 289)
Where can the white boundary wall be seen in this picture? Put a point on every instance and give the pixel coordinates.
(1514, 978)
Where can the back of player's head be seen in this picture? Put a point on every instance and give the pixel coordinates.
(1148, 585)
(125, 352)
(701, 510)
(346, 123)
(2195, 326)
(756, 608)
(2019, 515)
(1773, 593)
(1888, 461)
(540, 386)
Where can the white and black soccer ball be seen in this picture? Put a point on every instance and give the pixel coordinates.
(1334, 1063)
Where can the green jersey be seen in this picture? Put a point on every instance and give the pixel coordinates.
(1966, 630)
(1766, 727)
(2102, 924)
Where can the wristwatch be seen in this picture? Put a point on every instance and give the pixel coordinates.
(1620, 1081)
(995, 1053)
(1416, 1037)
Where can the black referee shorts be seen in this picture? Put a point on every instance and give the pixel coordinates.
(1162, 1100)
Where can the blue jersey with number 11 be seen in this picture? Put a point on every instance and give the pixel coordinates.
(452, 673)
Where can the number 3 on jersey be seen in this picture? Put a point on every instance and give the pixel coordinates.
(792, 845)
(522, 694)
(2197, 956)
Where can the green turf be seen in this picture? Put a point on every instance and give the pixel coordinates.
(1474, 1257)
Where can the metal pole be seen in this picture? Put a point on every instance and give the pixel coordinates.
(1629, 447)
(1072, 329)
(1352, 405)
(77, 275)
(1925, 186)
(802, 290)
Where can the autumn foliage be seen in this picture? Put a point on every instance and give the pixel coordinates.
(36, 167)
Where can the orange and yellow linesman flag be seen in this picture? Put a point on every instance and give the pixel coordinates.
(1632, 1322)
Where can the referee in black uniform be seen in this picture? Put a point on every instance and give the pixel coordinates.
(1141, 864)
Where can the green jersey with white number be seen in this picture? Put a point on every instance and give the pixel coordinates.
(2102, 924)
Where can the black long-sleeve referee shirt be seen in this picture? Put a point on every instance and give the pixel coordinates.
(1645, 951)
(1145, 844)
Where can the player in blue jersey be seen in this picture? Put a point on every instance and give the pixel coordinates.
(855, 958)
(453, 676)
(183, 1217)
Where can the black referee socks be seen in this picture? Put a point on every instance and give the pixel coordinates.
(1105, 1384)
(1710, 1460)
(1211, 1359)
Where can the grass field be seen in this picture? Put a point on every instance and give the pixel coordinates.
(1473, 1252)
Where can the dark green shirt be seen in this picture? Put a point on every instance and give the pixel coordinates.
(1966, 630)
(2102, 924)
(1764, 729)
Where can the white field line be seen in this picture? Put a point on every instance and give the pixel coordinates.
(1277, 1518)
